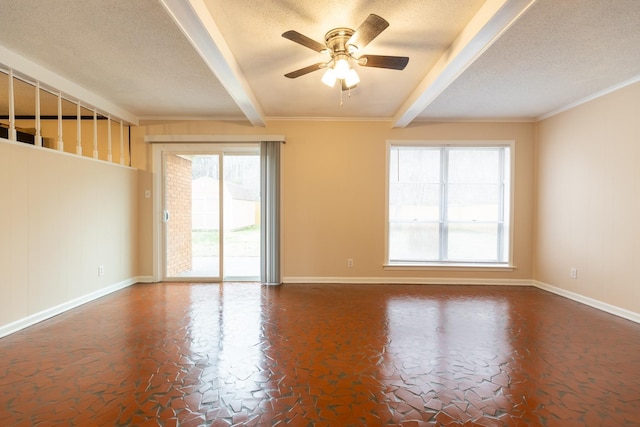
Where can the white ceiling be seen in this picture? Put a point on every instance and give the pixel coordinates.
(226, 59)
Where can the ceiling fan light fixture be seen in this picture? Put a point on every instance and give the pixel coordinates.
(342, 67)
(352, 78)
(329, 77)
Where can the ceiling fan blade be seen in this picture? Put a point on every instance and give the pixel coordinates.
(305, 70)
(305, 41)
(368, 30)
(381, 61)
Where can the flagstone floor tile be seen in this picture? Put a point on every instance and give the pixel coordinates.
(242, 354)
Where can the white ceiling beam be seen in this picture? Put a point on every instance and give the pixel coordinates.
(492, 20)
(197, 24)
(55, 82)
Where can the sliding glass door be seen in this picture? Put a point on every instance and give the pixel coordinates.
(241, 243)
(211, 216)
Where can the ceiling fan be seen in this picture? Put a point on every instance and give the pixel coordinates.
(342, 44)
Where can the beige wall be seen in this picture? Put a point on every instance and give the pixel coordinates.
(144, 237)
(62, 216)
(588, 201)
(333, 191)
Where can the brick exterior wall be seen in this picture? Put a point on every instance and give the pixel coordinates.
(178, 194)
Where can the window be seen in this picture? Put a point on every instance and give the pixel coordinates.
(449, 204)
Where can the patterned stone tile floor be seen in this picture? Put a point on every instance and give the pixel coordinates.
(323, 355)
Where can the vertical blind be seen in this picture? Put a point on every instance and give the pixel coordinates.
(270, 212)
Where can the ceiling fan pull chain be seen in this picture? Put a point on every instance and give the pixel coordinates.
(341, 103)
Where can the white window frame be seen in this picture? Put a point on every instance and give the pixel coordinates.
(508, 220)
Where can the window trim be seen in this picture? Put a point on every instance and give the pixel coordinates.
(452, 265)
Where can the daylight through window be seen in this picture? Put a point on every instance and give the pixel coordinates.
(449, 204)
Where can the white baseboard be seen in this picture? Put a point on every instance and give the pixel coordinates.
(145, 279)
(61, 308)
(405, 281)
(608, 308)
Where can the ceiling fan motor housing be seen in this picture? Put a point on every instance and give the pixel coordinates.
(336, 41)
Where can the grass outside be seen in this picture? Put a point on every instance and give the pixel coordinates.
(242, 242)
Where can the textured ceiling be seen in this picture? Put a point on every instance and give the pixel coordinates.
(129, 52)
(226, 59)
(558, 53)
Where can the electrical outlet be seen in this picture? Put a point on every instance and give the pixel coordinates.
(350, 262)
(100, 270)
(573, 273)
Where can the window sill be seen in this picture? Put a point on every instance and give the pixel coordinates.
(449, 266)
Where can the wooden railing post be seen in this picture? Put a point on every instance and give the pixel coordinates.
(109, 155)
(60, 142)
(95, 133)
(38, 136)
(12, 112)
(121, 143)
(79, 131)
